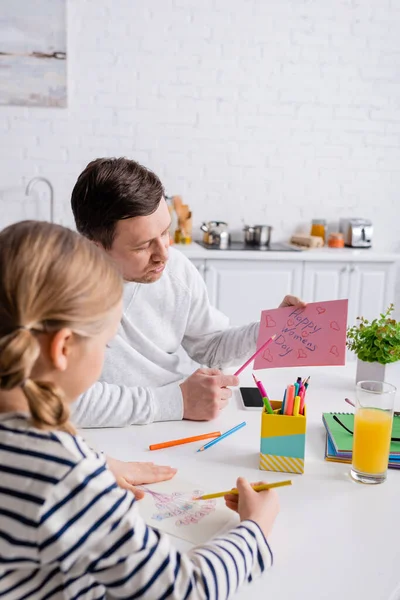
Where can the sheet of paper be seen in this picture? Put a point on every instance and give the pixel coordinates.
(169, 507)
(310, 336)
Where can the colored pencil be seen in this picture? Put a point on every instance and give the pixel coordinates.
(188, 440)
(256, 353)
(349, 402)
(256, 488)
(221, 437)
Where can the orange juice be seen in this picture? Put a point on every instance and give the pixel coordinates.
(372, 432)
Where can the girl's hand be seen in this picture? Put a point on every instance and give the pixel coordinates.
(129, 474)
(261, 507)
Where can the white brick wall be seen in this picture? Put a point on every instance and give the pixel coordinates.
(272, 111)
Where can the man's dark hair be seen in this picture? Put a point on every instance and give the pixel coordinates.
(111, 189)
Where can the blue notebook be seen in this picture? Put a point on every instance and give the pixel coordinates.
(332, 456)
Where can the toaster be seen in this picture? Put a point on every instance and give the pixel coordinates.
(357, 233)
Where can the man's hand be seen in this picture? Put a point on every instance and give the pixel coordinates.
(129, 474)
(205, 394)
(292, 301)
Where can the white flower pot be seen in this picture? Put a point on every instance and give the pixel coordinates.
(374, 371)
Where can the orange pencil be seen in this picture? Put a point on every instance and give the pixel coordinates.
(188, 440)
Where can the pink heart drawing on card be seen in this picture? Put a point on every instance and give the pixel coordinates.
(320, 310)
(335, 326)
(269, 321)
(334, 350)
(267, 355)
(301, 353)
(304, 333)
(290, 323)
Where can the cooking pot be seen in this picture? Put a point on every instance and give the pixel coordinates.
(216, 234)
(257, 235)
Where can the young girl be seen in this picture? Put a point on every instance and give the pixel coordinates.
(66, 529)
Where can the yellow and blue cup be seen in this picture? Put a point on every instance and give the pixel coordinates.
(283, 441)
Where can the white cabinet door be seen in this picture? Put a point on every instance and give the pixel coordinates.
(372, 289)
(241, 289)
(200, 265)
(325, 281)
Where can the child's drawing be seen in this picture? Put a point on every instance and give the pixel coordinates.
(169, 507)
(181, 505)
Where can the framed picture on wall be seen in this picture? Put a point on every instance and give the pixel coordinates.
(33, 53)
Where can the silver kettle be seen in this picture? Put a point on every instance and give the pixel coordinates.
(216, 234)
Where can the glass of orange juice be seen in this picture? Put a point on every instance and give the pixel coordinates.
(372, 431)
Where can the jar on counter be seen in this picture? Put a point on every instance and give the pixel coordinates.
(336, 240)
(318, 228)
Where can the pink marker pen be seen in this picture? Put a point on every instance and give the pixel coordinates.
(260, 387)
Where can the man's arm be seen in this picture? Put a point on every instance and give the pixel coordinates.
(223, 348)
(209, 340)
(112, 405)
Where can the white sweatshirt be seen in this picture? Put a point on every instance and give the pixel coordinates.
(143, 364)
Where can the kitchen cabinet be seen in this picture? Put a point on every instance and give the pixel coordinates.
(242, 288)
(200, 266)
(325, 281)
(369, 286)
(371, 289)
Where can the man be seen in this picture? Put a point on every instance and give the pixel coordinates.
(120, 206)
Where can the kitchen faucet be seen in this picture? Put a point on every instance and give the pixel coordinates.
(32, 183)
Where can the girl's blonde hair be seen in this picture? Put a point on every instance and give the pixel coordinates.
(50, 278)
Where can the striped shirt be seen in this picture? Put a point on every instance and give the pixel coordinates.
(68, 531)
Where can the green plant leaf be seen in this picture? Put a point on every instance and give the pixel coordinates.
(378, 340)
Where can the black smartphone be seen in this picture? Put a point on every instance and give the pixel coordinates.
(251, 398)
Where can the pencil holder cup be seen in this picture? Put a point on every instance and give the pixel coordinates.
(283, 441)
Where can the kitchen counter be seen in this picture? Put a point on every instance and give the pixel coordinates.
(196, 252)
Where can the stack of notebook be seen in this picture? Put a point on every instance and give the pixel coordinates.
(339, 442)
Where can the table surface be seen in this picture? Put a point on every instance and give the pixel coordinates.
(333, 538)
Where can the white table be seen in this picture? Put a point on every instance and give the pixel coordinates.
(334, 539)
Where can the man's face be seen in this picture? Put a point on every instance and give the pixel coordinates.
(140, 246)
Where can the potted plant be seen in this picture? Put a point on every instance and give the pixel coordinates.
(376, 345)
